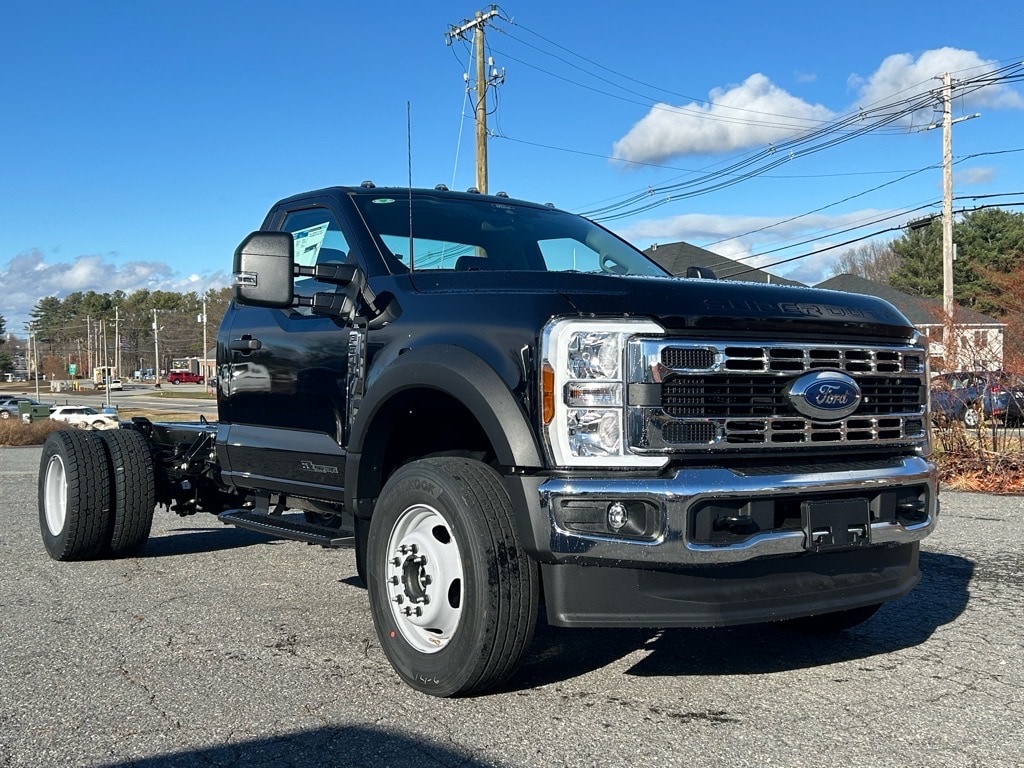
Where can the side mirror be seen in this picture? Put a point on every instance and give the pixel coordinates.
(263, 269)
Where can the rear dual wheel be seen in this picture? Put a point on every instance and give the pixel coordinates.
(74, 495)
(97, 493)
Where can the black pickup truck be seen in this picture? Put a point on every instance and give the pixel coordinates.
(504, 406)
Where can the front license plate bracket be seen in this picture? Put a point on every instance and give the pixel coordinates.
(836, 524)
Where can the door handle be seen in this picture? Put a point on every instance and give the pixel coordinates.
(245, 344)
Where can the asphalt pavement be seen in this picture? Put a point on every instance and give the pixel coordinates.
(222, 647)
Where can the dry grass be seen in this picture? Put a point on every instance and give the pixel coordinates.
(14, 432)
(988, 460)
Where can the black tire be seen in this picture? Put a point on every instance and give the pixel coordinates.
(74, 495)
(4, 415)
(443, 542)
(831, 623)
(133, 481)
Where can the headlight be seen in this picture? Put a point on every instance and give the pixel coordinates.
(583, 392)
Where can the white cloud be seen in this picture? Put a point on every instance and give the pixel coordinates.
(974, 176)
(757, 112)
(901, 75)
(746, 115)
(28, 277)
(813, 268)
(739, 237)
(755, 232)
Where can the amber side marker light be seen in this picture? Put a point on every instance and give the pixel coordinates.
(547, 393)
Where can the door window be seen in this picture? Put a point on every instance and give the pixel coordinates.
(318, 240)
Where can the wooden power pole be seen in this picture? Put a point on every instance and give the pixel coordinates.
(483, 80)
(948, 247)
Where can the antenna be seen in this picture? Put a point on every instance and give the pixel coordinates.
(408, 139)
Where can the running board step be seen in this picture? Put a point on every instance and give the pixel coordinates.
(287, 528)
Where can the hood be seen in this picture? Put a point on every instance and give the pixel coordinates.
(687, 305)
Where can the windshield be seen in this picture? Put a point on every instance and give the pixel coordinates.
(465, 234)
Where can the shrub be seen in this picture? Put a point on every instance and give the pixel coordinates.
(15, 432)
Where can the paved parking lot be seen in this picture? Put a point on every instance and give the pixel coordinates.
(226, 648)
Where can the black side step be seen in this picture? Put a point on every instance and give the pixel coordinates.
(288, 528)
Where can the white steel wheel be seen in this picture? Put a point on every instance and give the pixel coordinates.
(453, 593)
(55, 493)
(424, 578)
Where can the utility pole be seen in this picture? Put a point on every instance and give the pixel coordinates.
(947, 221)
(34, 344)
(202, 319)
(483, 80)
(117, 341)
(106, 363)
(156, 352)
(948, 247)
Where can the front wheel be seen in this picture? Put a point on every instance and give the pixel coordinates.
(453, 593)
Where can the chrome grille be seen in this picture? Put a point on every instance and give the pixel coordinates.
(729, 395)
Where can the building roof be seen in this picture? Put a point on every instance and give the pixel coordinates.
(920, 310)
(677, 257)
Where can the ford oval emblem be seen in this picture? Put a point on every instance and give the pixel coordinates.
(824, 395)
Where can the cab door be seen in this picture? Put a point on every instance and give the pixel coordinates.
(283, 377)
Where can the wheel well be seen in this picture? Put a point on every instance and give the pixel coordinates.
(416, 423)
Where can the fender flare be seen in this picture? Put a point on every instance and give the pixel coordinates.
(464, 376)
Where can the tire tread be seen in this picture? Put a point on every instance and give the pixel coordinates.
(134, 490)
(87, 522)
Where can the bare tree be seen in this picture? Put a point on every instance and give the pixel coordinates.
(872, 261)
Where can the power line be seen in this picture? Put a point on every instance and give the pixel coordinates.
(864, 237)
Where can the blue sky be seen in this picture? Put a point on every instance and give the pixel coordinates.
(140, 141)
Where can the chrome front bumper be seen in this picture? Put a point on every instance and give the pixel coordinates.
(672, 501)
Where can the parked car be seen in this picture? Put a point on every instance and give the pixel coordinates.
(186, 377)
(969, 396)
(84, 416)
(115, 384)
(9, 405)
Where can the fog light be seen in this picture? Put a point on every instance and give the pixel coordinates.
(617, 516)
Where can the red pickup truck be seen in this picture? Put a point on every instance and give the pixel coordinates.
(187, 377)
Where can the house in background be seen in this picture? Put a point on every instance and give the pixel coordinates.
(979, 337)
(678, 257)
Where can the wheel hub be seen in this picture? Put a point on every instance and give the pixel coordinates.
(424, 578)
